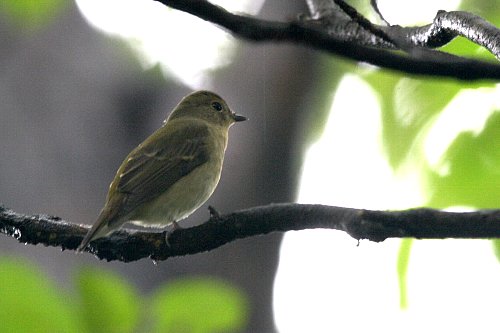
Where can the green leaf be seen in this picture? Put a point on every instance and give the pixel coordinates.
(402, 268)
(487, 9)
(496, 248)
(109, 304)
(408, 106)
(31, 14)
(473, 175)
(463, 47)
(199, 305)
(29, 302)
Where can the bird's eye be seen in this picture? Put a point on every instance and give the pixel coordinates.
(217, 106)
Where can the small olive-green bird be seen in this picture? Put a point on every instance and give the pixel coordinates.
(173, 172)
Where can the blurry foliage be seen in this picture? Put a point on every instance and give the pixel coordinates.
(198, 306)
(29, 302)
(463, 47)
(108, 303)
(410, 107)
(496, 248)
(31, 14)
(473, 170)
(487, 9)
(402, 269)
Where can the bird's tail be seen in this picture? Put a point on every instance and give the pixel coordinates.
(98, 230)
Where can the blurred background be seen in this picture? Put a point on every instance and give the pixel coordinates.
(83, 82)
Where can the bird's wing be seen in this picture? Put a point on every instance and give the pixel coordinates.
(154, 167)
(149, 170)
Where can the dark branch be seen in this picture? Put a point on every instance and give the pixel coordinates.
(359, 43)
(445, 27)
(126, 245)
(448, 25)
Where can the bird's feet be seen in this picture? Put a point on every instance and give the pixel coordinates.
(169, 232)
(175, 226)
(214, 214)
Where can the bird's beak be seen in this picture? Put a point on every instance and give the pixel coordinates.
(237, 117)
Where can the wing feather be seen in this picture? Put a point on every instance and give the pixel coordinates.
(153, 168)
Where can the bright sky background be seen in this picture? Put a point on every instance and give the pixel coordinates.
(408, 13)
(185, 47)
(325, 282)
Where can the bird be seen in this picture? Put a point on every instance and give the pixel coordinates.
(171, 173)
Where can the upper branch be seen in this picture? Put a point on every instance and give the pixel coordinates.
(448, 25)
(126, 245)
(366, 42)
